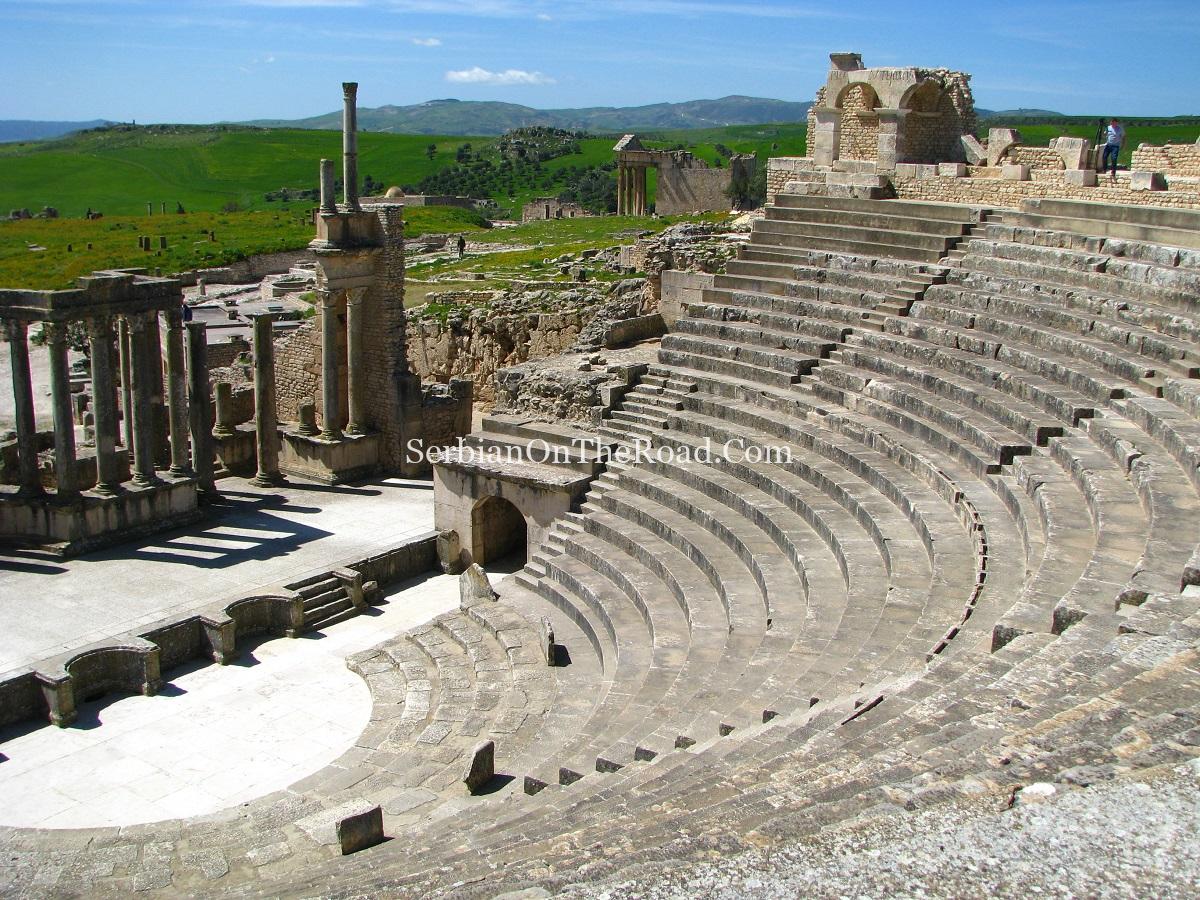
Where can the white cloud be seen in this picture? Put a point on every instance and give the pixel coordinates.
(477, 75)
(427, 42)
(542, 17)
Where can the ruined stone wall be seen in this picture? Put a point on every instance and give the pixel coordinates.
(298, 370)
(688, 185)
(860, 127)
(1034, 157)
(1173, 159)
(993, 191)
(478, 342)
(938, 118)
(551, 208)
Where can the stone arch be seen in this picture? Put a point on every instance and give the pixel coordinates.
(931, 132)
(859, 132)
(498, 529)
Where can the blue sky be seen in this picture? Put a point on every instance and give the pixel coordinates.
(212, 60)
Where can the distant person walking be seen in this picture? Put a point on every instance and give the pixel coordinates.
(462, 246)
(1114, 138)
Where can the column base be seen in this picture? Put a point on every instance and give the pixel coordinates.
(268, 479)
(331, 436)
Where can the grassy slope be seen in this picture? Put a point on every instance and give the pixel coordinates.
(119, 172)
(115, 241)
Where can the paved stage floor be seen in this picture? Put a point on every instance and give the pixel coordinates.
(216, 736)
(254, 538)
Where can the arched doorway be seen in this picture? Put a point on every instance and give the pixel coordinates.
(931, 126)
(859, 131)
(497, 530)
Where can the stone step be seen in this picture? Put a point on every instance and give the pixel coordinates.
(868, 247)
(796, 234)
(876, 220)
(916, 209)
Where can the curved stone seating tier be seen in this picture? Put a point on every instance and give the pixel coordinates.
(979, 569)
(982, 726)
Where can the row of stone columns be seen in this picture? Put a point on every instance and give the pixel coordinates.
(330, 382)
(140, 366)
(631, 190)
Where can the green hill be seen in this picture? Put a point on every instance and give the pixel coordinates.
(492, 118)
(119, 170)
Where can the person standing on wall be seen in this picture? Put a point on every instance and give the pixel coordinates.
(1113, 140)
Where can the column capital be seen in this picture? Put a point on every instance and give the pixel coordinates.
(54, 332)
(14, 329)
(99, 327)
(355, 296)
(327, 297)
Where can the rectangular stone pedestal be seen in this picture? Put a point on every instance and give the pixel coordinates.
(93, 520)
(331, 462)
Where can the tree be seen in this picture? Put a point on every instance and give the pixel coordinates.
(431, 151)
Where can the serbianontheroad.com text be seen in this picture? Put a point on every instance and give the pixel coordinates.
(736, 450)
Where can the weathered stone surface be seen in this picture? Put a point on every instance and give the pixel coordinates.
(481, 767)
(1000, 141)
(350, 826)
(976, 152)
(1147, 181)
(449, 551)
(1015, 173)
(474, 587)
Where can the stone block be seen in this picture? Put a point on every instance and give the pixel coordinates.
(546, 640)
(449, 551)
(474, 587)
(1147, 181)
(906, 170)
(1000, 141)
(481, 768)
(1076, 152)
(952, 170)
(1014, 173)
(1080, 177)
(977, 154)
(351, 826)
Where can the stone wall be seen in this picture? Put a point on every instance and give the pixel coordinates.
(551, 208)
(252, 268)
(1172, 159)
(1034, 157)
(860, 125)
(477, 341)
(686, 184)
(993, 191)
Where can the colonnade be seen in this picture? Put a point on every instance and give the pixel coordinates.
(631, 190)
(126, 350)
(331, 399)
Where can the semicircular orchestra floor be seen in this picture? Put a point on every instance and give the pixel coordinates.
(214, 737)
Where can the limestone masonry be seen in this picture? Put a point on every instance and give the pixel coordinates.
(789, 549)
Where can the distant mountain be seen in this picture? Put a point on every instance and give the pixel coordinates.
(1018, 114)
(25, 130)
(485, 118)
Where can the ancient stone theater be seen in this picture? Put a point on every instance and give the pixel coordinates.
(897, 522)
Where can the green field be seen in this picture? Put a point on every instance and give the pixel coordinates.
(34, 254)
(119, 172)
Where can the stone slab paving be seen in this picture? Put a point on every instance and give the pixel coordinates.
(254, 538)
(215, 736)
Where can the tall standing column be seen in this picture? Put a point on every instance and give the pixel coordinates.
(330, 393)
(199, 407)
(328, 194)
(27, 442)
(123, 352)
(104, 405)
(177, 393)
(620, 189)
(642, 191)
(356, 387)
(350, 144)
(141, 362)
(160, 439)
(266, 416)
(65, 475)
